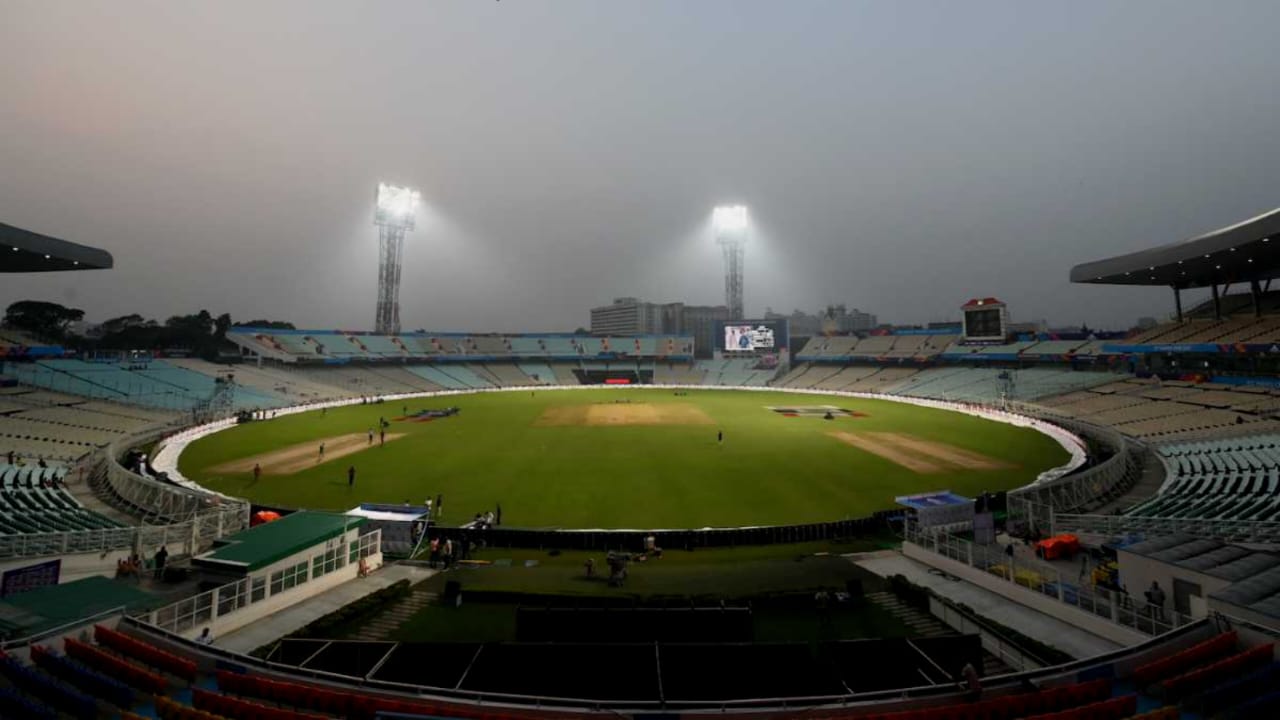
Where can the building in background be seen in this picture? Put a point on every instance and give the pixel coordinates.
(627, 316)
(632, 316)
(831, 320)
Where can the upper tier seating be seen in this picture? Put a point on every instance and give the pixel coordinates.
(383, 346)
(1144, 407)
(1235, 478)
(873, 346)
(984, 384)
(488, 345)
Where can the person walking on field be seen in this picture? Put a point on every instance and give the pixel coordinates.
(351, 476)
(257, 472)
(440, 505)
(720, 437)
(321, 458)
(370, 436)
(382, 437)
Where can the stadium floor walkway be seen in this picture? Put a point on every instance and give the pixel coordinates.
(276, 625)
(1067, 638)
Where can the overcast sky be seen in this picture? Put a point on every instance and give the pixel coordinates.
(899, 157)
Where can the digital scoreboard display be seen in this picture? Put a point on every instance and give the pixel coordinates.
(750, 337)
(983, 323)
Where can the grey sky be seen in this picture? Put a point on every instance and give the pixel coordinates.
(900, 157)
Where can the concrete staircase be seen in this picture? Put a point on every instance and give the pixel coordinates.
(385, 625)
(923, 624)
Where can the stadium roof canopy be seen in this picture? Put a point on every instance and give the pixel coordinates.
(25, 251)
(1246, 252)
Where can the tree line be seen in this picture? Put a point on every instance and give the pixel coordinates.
(202, 334)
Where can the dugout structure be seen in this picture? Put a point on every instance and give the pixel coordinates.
(402, 526)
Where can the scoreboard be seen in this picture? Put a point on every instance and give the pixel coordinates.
(753, 336)
(985, 319)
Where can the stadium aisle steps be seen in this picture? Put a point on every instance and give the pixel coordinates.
(921, 623)
(381, 627)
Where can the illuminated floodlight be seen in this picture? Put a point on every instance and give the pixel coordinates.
(396, 206)
(394, 215)
(730, 218)
(730, 223)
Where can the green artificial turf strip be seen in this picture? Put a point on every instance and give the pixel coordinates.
(496, 622)
(770, 469)
(721, 573)
(737, 575)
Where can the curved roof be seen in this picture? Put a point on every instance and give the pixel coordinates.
(26, 251)
(1248, 250)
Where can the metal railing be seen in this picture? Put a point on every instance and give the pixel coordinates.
(1049, 581)
(62, 629)
(169, 514)
(1116, 525)
(202, 609)
(1036, 504)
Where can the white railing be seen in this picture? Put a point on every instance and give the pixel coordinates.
(1048, 581)
(203, 609)
(1036, 504)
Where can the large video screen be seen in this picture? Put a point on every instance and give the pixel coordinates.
(982, 323)
(750, 337)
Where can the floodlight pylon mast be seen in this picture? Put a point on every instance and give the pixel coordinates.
(732, 245)
(390, 258)
(394, 217)
(730, 222)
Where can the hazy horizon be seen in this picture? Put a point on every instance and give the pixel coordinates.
(899, 158)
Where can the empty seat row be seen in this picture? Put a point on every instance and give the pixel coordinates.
(48, 691)
(145, 653)
(1113, 709)
(1201, 678)
(86, 679)
(238, 709)
(1183, 660)
(116, 667)
(1047, 700)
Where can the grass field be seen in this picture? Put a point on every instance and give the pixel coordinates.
(580, 459)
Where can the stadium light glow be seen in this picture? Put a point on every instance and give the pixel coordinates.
(394, 216)
(396, 205)
(730, 218)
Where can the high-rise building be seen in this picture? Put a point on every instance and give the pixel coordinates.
(701, 322)
(627, 316)
(632, 316)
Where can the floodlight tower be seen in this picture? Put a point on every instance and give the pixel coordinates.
(730, 223)
(394, 217)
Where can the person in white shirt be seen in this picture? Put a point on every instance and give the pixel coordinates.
(206, 637)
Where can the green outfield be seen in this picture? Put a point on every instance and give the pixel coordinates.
(635, 458)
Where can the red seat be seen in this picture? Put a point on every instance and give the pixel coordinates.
(145, 653)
